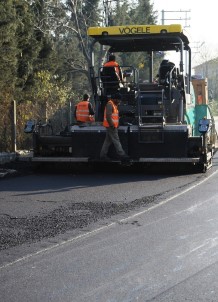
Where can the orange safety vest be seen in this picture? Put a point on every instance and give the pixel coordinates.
(82, 112)
(200, 99)
(115, 116)
(113, 64)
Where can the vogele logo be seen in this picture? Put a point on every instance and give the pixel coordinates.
(135, 30)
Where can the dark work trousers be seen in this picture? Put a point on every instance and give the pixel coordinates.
(112, 137)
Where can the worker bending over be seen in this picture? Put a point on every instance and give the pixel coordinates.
(84, 111)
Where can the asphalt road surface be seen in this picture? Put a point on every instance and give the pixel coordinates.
(138, 237)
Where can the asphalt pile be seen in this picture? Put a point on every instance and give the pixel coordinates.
(19, 230)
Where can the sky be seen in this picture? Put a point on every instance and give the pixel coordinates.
(199, 19)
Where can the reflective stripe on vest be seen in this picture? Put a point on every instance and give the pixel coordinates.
(115, 116)
(82, 111)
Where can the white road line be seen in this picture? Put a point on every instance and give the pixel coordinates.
(170, 198)
(88, 234)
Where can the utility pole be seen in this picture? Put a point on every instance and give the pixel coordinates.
(176, 19)
(186, 18)
(13, 127)
(197, 46)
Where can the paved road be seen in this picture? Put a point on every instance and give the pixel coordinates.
(42, 205)
(163, 251)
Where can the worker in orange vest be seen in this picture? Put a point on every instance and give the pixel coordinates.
(111, 123)
(84, 111)
(112, 63)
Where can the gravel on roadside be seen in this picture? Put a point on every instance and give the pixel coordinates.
(19, 230)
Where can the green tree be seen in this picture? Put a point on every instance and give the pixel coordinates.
(8, 47)
(82, 15)
(143, 13)
(8, 65)
(45, 57)
(29, 46)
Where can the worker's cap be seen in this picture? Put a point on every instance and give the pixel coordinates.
(86, 96)
(116, 96)
(164, 62)
(112, 57)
